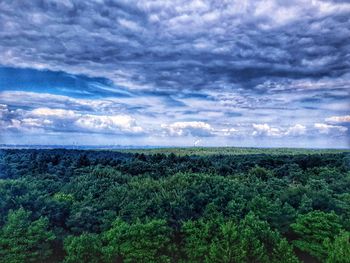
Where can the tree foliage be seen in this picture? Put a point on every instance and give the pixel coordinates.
(24, 240)
(339, 249)
(138, 242)
(84, 248)
(185, 205)
(313, 229)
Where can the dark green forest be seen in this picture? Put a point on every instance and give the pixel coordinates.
(106, 206)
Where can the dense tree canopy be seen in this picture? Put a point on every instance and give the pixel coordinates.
(107, 206)
(24, 240)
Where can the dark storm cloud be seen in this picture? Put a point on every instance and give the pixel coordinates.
(179, 45)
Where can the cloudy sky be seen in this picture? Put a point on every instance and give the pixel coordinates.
(175, 73)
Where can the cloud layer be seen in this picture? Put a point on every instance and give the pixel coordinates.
(179, 44)
(173, 69)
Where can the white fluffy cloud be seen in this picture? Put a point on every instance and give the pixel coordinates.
(112, 123)
(63, 120)
(197, 128)
(326, 128)
(194, 128)
(265, 129)
(336, 119)
(228, 131)
(29, 112)
(297, 129)
(57, 113)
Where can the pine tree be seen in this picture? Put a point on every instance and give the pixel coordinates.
(23, 240)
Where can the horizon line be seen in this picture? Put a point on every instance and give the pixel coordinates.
(143, 147)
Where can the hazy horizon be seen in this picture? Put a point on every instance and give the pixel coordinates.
(145, 147)
(175, 73)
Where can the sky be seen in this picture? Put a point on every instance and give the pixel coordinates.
(270, 73)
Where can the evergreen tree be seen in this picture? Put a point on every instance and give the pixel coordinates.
(339, 250)
(251, 240)
(23, 240)
(86, 248)
(138, 242)
(198, 236)
(313, 229)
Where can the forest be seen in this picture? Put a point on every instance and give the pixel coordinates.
(59, 205)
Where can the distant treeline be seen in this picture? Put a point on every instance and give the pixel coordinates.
(202, 151)
(107, 206)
